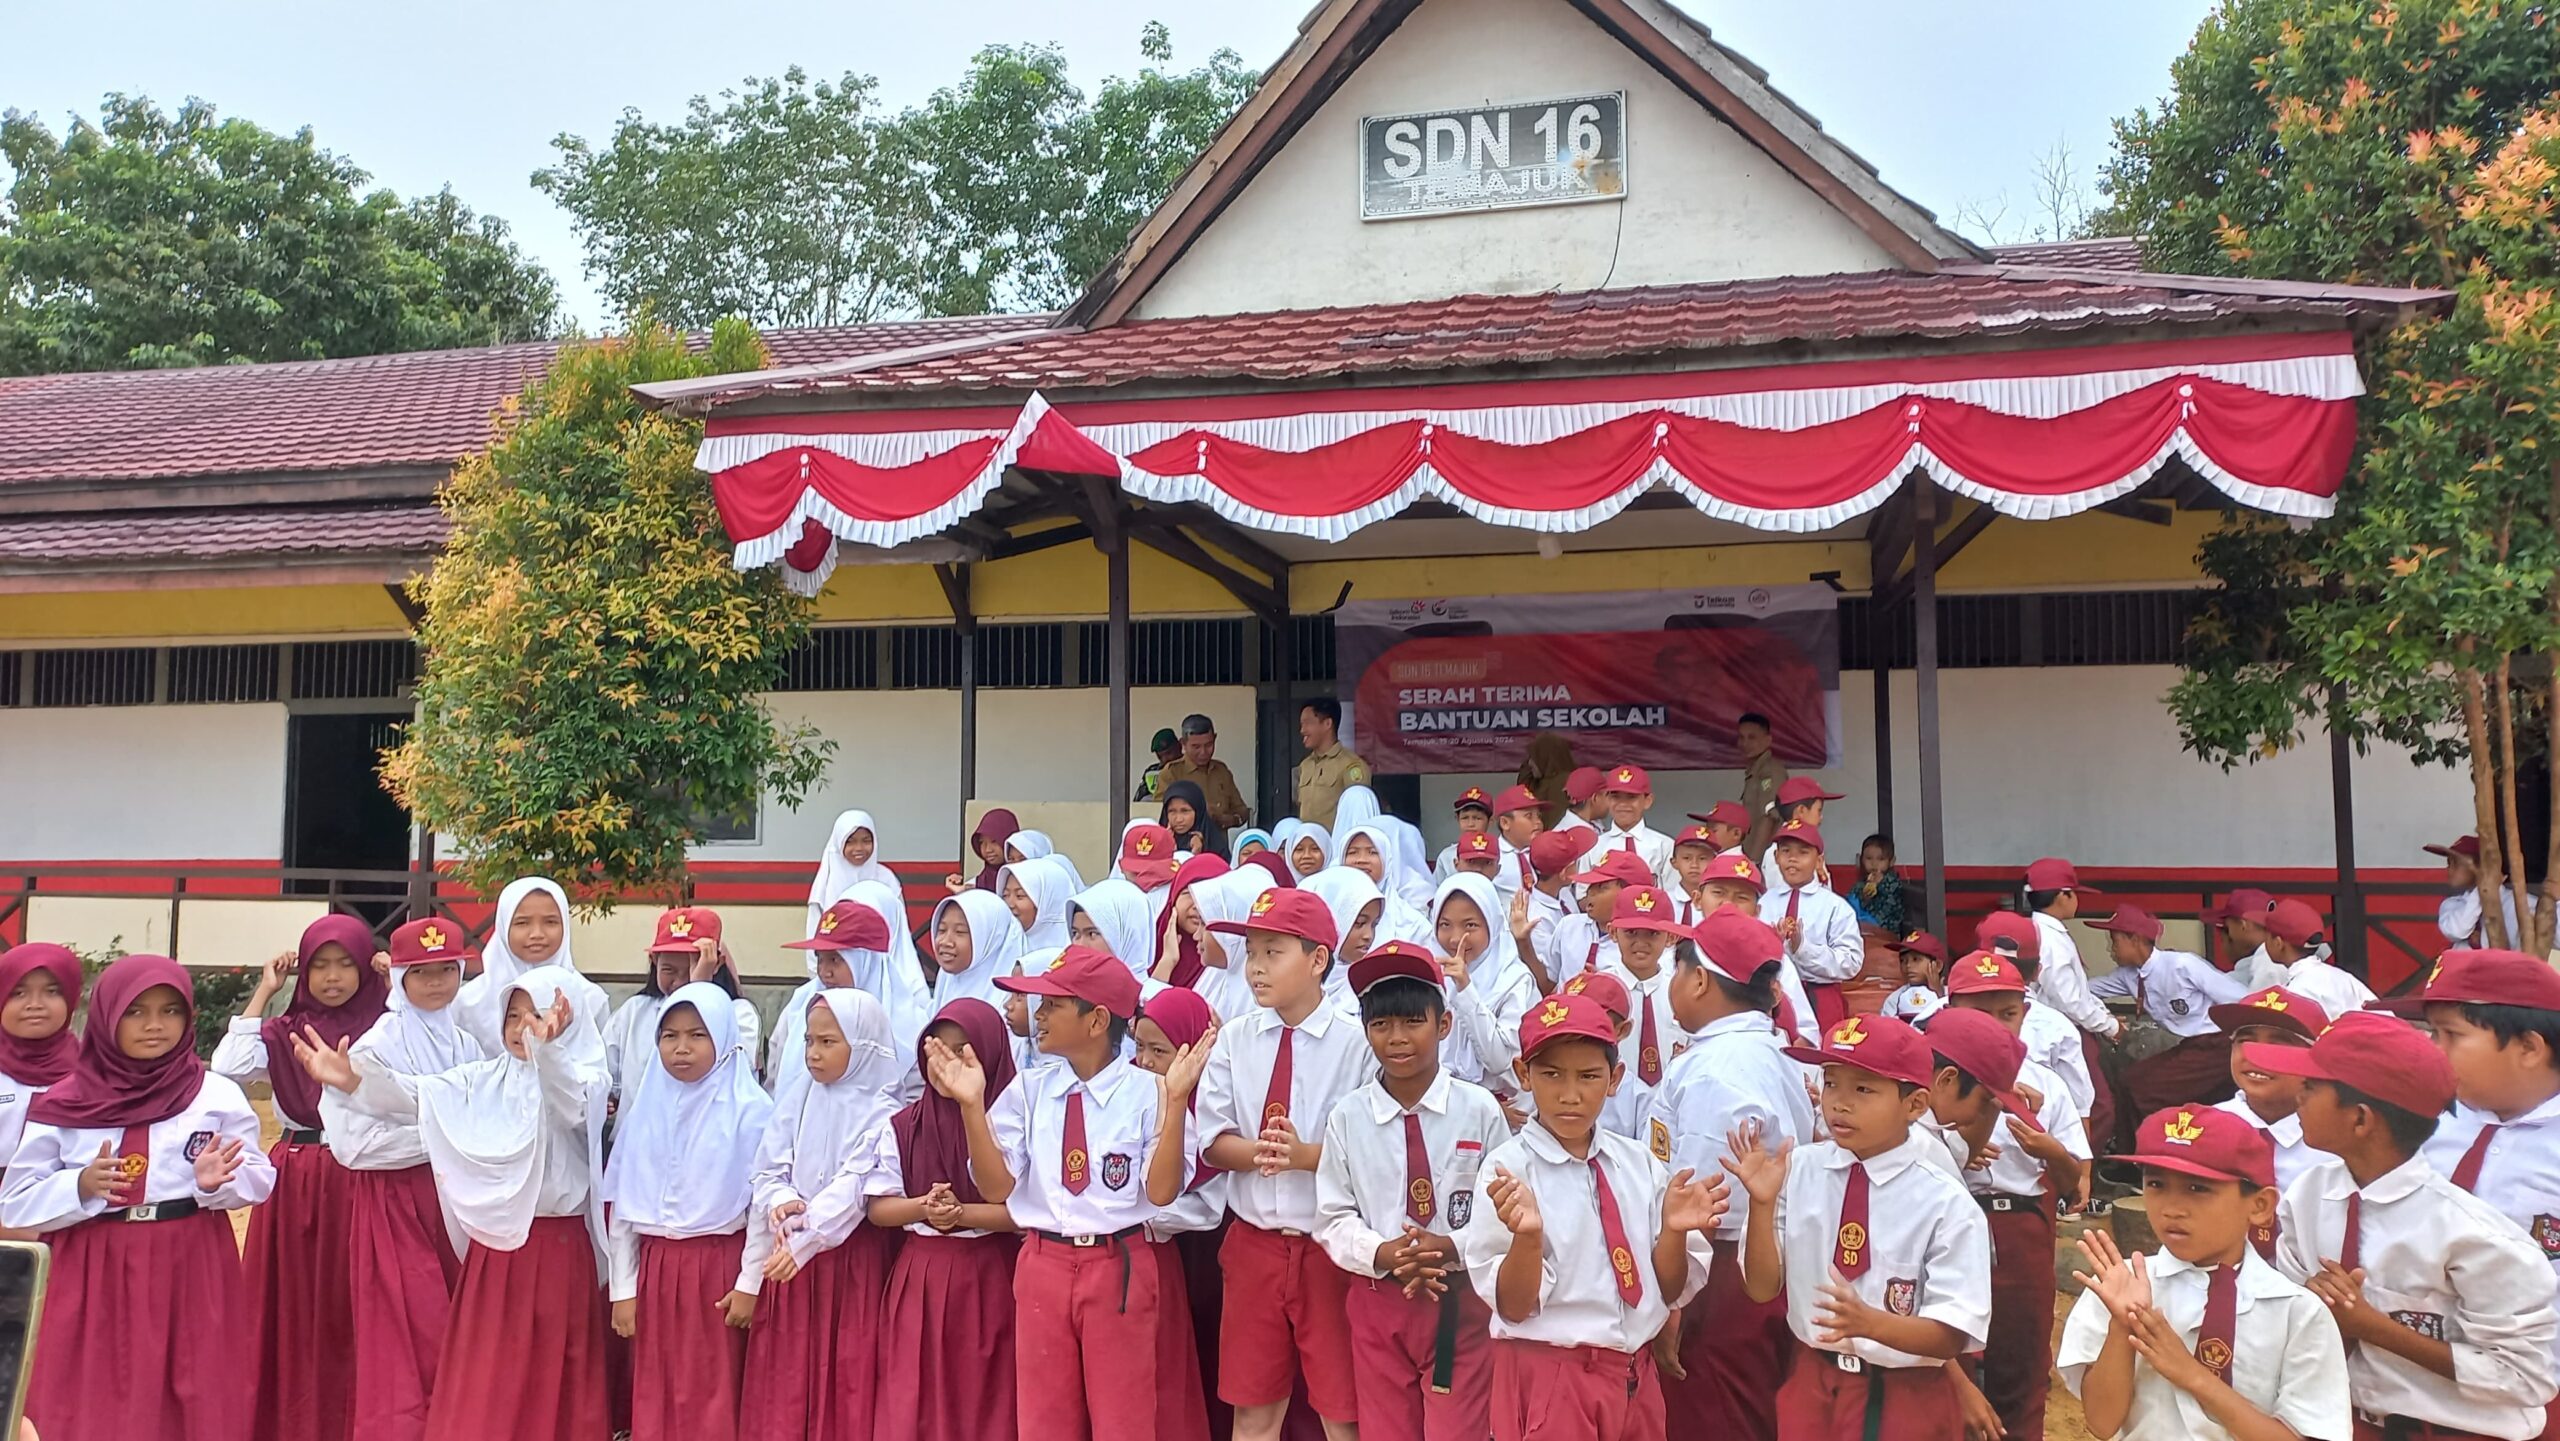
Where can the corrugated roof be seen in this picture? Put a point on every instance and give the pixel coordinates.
(279, 532)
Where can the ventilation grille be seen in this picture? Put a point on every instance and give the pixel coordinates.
(94, 677)
(2063, 628)
(840, 658)
(354, 669)
(13, 669)
(222, 674)
(1171, 652)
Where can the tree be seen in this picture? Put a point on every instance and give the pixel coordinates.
(594, 666)
(2417, 144)
(149, 239)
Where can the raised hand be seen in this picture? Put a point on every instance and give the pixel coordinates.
(103, 1178)
(2158, 1342)
(1762, 1172)
(956, 1074)
(2121, 1282)
(551, 1024)
(382, 964)
(331, 1066)
(1182, 1074)
(271, 979)
(706, 959)
(1520, 926)
(1689, 1204)
(217, 1164)
(1514, 1204)
(1456, 969)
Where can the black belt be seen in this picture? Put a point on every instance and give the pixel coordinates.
(176, 1210)
(305, 1138)
(2004, 1203)
(1115, 1240)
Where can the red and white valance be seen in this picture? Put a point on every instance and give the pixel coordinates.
(2269, 420)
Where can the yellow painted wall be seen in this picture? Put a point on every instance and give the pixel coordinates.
(254, 611)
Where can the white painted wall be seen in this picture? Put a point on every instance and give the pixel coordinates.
(1702, 203)
(155, 782)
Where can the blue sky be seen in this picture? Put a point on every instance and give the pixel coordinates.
(1954, 103)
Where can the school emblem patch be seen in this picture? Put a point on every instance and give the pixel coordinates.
(1115, 1170)
(1661, 1138)
(1849, 1034)
(197, 1142)
(1462, 1204)
(1144, 845)
(1902, 1298)
(2546, 1234)
(2215, 1353)
(2273, 1000)
(2177, 1008)
(2182, 1130)
(1554, 1015)
(1420, 1190)
(680, 924)
(1852, 1245)
(432, 938)
(2425, 1323)
(1262, 903)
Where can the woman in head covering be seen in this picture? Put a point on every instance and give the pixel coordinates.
(684, 1154)
(1547, 767)
(1038, 891)
(1174, 958)
(987, 843)
(146, 1331)
(1112, 916)
(1488, 987)
(1359, 911)
(1220, 978)
(1310, 850)
(687, 947)
(531, 931)
(1186, 1334)
(1372, 850)
(297, 1250)
(852, 852)
(894, 976)
(975, 940)
(39, 989)
(1185, 812)
(1247, 843)
(946, 1353)
(823, 1271)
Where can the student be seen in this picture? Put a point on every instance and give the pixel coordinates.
(1762, 774)
(1724, 994)
(2294, 946)
(975, 944)
(39, 990)
(852, 852)
(2179, 991)
(1221, 983)
(1311, 850)
(1624, 1112)
(1733, 883)
(1246, 843)
(1726, 824)
(852, 940)
(2052, 1042)
(1519, 820)
(1877, 896)
(678, 1186)
(2269, 1102)
(1643, 926)
(987, 843)
(1800, 803)
(686, 950)
(531, 932)
(1584, 805)
(1474, 809)
(2062, 978)
(819, 1271)
(2444, 1303)
(1173, 958)
(1626, 793)
(1189, 1229)
(1884, 1260)
(2459, 914)
(1489, 988)
(946, 1362)
(125, 1169)
(1477, 853)
(2241, 917)
(1924, 978)
(1582, 1244)
(1691, 850)
(1400, 1160)
(1038, 892)
(297, 1249)
(1821, 932)
(1370, 849)
(2202, 1338)
(1539, 909)
(1582, 942)
(1148, 858)
(1036, 846)
(1185, 813)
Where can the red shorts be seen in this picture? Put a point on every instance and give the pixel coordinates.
(2406, 1430)
(1574, 1393)
(1821, 1402)
(1395, 1343)
(1284, 1317)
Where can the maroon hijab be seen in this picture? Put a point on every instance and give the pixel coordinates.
(1187, 964)
(41, 1063)
(1184, 1018)
(297, 1095)
(109, 1090)
(997, 825)
(933, 1143)
(1277, 864)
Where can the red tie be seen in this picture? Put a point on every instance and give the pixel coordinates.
(1795, 898)
(1591, 962)
(1275, 1097)
(1527, 881)
(1076, 1171)
(1851, 1253)
(2467, 1174)
(2264, 1238)
(1648, 1049)
(1629, 846)
(2221, 1319)
(1418, 1207)
(1622, 1262)
(135, 1151)
(2351, 1250)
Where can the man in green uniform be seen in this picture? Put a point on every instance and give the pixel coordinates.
(1329, 766)
(1199, 764)
(1762, 774)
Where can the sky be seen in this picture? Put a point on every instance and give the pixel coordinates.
(1954, 103)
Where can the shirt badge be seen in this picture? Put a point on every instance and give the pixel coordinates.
(1902, 1298)
(1115, 1170)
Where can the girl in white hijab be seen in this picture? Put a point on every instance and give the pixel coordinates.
(1035, 846)
(894, 977)
(1114, 915)
(850, 856)
(528, 935)
(1471, 934)
(678, 1185)
(1371, 848)
(1221, 980)
(1309, 850)
(1038, 892)
(822, 1269)
(975, 940)
(1358, 907)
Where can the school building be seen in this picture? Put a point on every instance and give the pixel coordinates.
(1509, 298)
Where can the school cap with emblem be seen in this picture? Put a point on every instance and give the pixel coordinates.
(2294, 922)
(1393, 960)
(685, 928)
(1985, 1050)
(2008, 931)
(1146, 845)
(429, 942)
(1627, 780)
(2491, 978)
(2131, 920)
(1600, 986)
(1290, 913)
(1555, 852)
(1733, 866)
(1562, 1017)
(1799, 832)
(2207, 1143)
(1693, 836)
(1924, 944)
(1796, 790)
(1582, 785)
(1477, 844)
(1983, 972)
(2245, 904)
(2468, 847)
(1724, 813)
(2274, 1007)
(1087, 975)
(1474, 796)
(1879, 1044)
(1624, 867)
(1518, 798)
(847, 926)
(2382, 1056)
(1737, 946)
(2053, 873)
(1646, 908)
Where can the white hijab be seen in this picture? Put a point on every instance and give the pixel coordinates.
(481, 1008)
(836, 874)
(1357, 807)
(813, 1132)
(1493, 970)
(1036, 846)
(1402, 920)
(1497, 976)
(995, 944)
(684, 1155)
(411, 1042)
(485, 1123)
(1227, 898)
(1051, 884)
(1347, 893)
(1120, 911)
(1308, 831)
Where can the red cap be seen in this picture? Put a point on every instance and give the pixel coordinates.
(1985, 971)
(1624, 867)
(1478, 844)
(1291, 913)
(1518, 798)
(1087, 975)
(1736, 946)
(2468, 848)
(2490, 978)
(1925, 944)
(2294, 922)
(2131, 920)
(1555, 852)
(1795, 790)
(2245, 904)
(1693, 836)
(1724, 813)
(2055, 874)
(681, 929)
(1600, 986)
(429, 942)
(1582, 785)
(2007, 930)
(1646, 908)
(1802, 831)
(2202, 1141)
(1628, 779)
(1392, 959)
(1148, 855)
(2277, 1007)
(1560, 1017)
(1474, 796)
(1733, 866)
(1983, 1049)
(1879, 1044)
(847, 926)
(2387, 1059)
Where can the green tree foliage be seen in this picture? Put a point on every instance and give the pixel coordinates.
(2413, 143)
(595, 666)
(151, 239)
(799, 202)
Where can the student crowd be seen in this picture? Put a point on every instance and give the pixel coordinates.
(1579, 1140)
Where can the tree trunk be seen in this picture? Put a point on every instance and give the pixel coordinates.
(2484, 803)
(2540, 923)
(2511, 833)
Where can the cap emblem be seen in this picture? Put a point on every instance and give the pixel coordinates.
(2182, 1130)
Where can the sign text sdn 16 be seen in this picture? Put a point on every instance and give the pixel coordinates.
(1494, 157)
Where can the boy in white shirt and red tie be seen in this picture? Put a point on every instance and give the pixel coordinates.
(2178, 990)
(2270, 1103)
(1583, 942)
(1821, 931)
(1628, 793)
(1800, 802)
(1644, 926)
(1540, 909)
(1519, 819)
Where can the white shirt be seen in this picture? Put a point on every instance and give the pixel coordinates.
(15, 1097)
(1828, 948)
(1930, 1247)
(1360, 1182)
(569, 1169)
(2062, 979)
(2292, 1156)
(2015, 1173)
(1579, 944)
(2054, 1043)
(1668, 1038)
(1547, 915)
(1329, 1058)
(2520, 1174)
(2286, 1357)
(2176, 988)
(1120, 1131)
(622, 1257)
(2449, 1262)
(2458, 920)
(42, 1189)
(1578, 1301)
(1769, 867)
(1913, 1003)
(831, 1215)
(2257, 971)
(2335, 990)
(1651, 846)
(1484, 1025)
(1731, 1075)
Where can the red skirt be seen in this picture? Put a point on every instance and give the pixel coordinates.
(400, 1260)
(146, 1333)
(946, 1362)
(1182, 1413)
(815, 1344)
(1206, 1280)
(686, 1359)
(524, 1355)
(297, 1263)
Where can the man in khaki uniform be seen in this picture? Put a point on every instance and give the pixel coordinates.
(1329, 766)
(1762, 774)
(1199, 765)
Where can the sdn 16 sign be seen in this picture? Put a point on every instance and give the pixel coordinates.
(1497, 157)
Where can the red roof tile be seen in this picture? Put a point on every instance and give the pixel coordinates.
(2112, 252)
(199, 535)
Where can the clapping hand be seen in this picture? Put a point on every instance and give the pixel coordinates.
(942, 1207)
(1762, 1172)
(1689, 1204)
(1840, 1314)
(217, 1164)
(2122, 1282)
(1514, 1204)
(1279, 1149)
(331, 1066)
(956, 1074)
(1182, 1074)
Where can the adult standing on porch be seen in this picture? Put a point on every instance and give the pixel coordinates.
(1200, 765)
(1330, 765)
(1762, 774)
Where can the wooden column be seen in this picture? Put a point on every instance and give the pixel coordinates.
(2346, 930)
(1111, 536)
(1880, 658)
(964, 620)
(1279, 789)
(1924, 630)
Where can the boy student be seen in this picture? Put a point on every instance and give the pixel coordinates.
(1623, 1114)
(1475, 816)
(1584, 806)
(1477, 853)
(2241, 917)
(1542, 907)
(2458, 915)
(1924, 978)
(1724, 991)
(1733, 883)
(1726, 824)
(1628, 792)
(1644, 924)
(2052, 1042)
(1519, 820)
(2202, 1339)
(2178, 990)
(2272, 1103)
(2062, 980)
(1273, 1080)
(2445, 1304)
(1800, 800)
(1820, 930)
(1585, 1244)
(1583, 942)
(1691, 850)
(1884, 1261)
(2294, 944)
(1397, 1178)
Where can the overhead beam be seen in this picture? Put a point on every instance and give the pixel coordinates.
(1943, 548)
(2149, 512)
(410, 611)
(1264, 600)
(1040, 540)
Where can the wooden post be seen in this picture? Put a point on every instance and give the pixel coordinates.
(1880, 662)
(1110, 525)
(2346, 930)
(1279, 790)
(964, 619)
(1924, 630)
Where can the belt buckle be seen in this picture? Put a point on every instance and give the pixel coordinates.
(1848, 1363)
(1290, 1234)
(1082, 1243)
(149, 1212)
(2002, 1204)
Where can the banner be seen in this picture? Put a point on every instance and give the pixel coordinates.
(1651, 678)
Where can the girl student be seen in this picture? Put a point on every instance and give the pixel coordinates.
(1185, 812)
(852, 852)
(946, 1373)
(1174, 959)
(1036, 846)
(880, 959)
(514, 1141)
(298, 1249)
(39, 989)
(1358, 907)
(678, 1189)
(975, 940)
(821, 1271)
(531, 932)
(125, 1168)
(987, 843)
(1487, 987)
(1371, 849)
(1037, 892)
(1310, 850)
(1221, 979)
(1191, 1284)
(687, 948)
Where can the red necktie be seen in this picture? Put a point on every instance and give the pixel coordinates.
(2221, 1319)
(1629, 846)
(1622, 1262)
(2467, 1174)
(1527, 881)
(2264, 1238)
(1648, 1050)
(1795, 897)
(2351, 1250)
(134, 1149)
(1418, 1207)
(1075, 1172)
(1275, 1097)
(1851, 1253)
(1591, 962)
